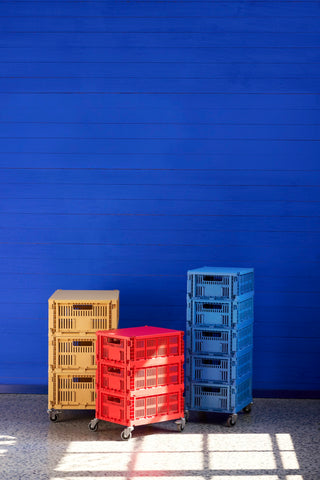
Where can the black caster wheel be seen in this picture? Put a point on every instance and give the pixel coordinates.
(125, 435)
(180, 427)
(186, 415)
(247, 409)
(181, 423)
(232, 420)
(93, 426)
(54, 417)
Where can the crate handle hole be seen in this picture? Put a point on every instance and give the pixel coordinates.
(212, 278)
(209, 361)
(82, 343)
(212, 306)
(82, 307)
(211, 390)
(212, 334)
(82, 379)
(114, 399)
(114, 370)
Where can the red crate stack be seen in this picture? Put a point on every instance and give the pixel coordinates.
(140, 378)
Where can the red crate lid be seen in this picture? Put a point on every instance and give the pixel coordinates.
(139, 331)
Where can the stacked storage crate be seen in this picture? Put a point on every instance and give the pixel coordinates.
(219, 340)
(140, 378)
(74, 318)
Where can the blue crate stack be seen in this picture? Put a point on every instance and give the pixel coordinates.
(219, 340)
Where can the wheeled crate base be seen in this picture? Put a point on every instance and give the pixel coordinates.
(71, 390)
(144, 407)
(126, 433)
(231, 417)
(220, 398)
(56, 414)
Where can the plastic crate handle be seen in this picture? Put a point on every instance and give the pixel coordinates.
(210, 361)
(210, 334)
(212, 306)
(82, 343)
(114, 399)
(114, 370)
(114, 341)
(82, 307)
(82, 379)
(211, 390)
(212, 278)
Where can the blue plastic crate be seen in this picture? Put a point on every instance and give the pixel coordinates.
(220, 282)
(218, 341)
(219, 368)
(220, 313)
(213, 397)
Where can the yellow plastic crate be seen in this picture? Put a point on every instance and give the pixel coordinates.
(83, 311)
(76, 352)
(72, 390)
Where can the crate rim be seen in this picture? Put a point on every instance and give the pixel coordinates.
(234, 271)
(144, 392)
(139, 332)
(234, 383)
(149, 363)
(215, 299)
(233, 356)
(92, 296)
(234, 329)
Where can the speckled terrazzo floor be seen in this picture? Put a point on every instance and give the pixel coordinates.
(279, 440)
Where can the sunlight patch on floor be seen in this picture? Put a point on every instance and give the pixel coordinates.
(168, 461)
(288, 456)
(101, 446)
(284, 441)
(246, 477)
(160, 453)
(93, 462)
(242, 461)
(289, 460)
(239, 442)
(125, 476)
(6, 440)
(174, 442)
(152, 443)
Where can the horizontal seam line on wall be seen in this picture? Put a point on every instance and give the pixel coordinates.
(40, 62)
(158, 16)
(151, 244)
(284, 170)
(164, 230)
(142, 2)
(168, 185)
(156, 32)
(160, 215)
(284, 124)
(169, 138)
(142, 154)
(156, 47)
(130, 77)
(111, 199)
(154, 93)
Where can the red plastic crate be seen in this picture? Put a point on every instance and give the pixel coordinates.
(163, 371)
(141, 409)
(131, 345)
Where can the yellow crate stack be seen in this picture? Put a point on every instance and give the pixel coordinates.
(74, 317)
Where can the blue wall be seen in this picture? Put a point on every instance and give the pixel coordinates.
(142, 139)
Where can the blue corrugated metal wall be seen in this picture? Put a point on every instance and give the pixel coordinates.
(141, 139)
